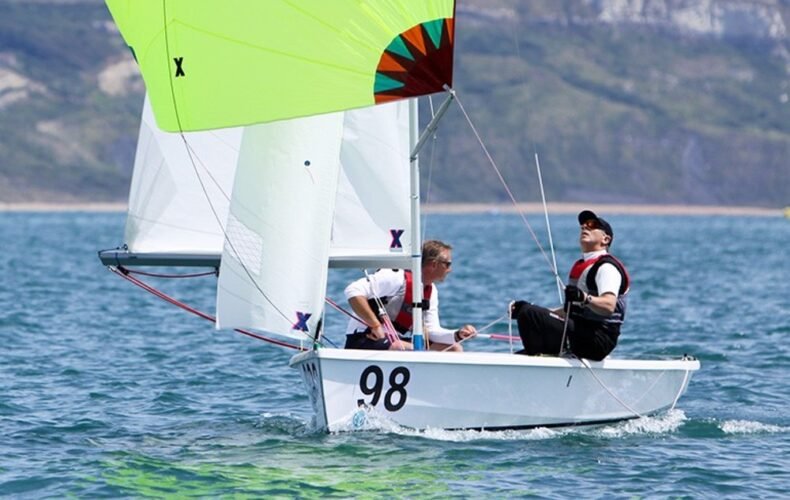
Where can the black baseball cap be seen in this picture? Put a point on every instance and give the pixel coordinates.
(586, 215)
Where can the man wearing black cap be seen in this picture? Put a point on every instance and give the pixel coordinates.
(595, 301)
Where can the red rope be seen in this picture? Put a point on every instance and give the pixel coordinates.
(337, 307)
(124, 273)
(389, 328)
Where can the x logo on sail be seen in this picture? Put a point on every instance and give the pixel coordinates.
(396, 234)
(179, 70)
(301, 321)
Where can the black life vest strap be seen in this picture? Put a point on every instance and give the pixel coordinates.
(625, 282)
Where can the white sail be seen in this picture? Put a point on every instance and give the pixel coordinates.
(372, 213)
(169, 211)
(275, 258)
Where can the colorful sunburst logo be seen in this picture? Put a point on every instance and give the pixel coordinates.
(419, 61)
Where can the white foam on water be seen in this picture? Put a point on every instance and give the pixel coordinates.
(658, 424)
(370, 420)
(750, 427)
(367, 419)
(462, 436)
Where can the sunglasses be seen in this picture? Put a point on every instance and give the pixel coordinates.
(591, 224)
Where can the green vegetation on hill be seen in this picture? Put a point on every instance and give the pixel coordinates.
(66, 140)
(625, 114)
(617, 113)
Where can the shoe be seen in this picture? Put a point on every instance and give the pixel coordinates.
(517, 305)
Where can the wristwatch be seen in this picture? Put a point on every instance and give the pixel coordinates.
(588, 299)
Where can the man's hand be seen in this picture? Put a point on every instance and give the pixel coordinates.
(465, 332)
(376, 333)
(574, 294)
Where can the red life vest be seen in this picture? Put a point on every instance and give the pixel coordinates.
(618, 316)
(581, 265)
(403, 321)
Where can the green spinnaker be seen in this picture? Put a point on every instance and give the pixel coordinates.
(222, 63)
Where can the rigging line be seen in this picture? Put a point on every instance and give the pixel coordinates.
(381, 314)
(502, 180)
(171, 276)
(430, 171)
(210, 176)
(592, 372)
(499, 319)
(351, 315)
(496, 336)
(480, 330)
(587, 365)
(548, 228)
(565, 328)
(540, 180)
(123, 273)
(203, 187)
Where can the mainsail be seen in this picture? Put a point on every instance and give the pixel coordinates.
(181, 185)
(372, 209)
(210, 65)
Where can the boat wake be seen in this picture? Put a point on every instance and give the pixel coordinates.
(284, 423)
(750, 427)
(662, 423)
(370, 420)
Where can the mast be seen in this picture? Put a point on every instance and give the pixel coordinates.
(416, 144)
(416, 242)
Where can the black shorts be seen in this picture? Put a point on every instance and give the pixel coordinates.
(360, 340)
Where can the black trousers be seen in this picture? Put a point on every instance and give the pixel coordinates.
(541, 333)
(360, 340)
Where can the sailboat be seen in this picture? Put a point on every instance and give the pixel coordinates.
(310, 110)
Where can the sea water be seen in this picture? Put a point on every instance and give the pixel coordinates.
(106, 391)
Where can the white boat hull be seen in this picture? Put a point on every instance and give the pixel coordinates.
(484, 390)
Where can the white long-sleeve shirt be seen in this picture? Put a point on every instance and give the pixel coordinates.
(391, 283)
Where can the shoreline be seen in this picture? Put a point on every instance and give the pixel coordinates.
(470, 208)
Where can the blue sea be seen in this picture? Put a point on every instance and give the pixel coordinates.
(106, 391)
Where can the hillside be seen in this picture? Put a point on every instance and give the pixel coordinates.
(662, 101)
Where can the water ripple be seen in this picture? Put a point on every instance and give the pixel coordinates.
(107, 392)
